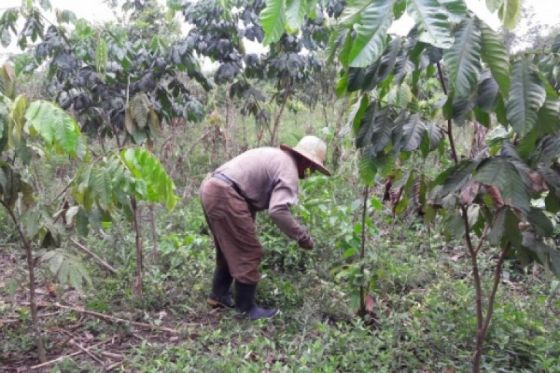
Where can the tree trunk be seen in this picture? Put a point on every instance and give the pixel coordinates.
(137, 288)
(276, 125)
(32, 303)
(362, 310)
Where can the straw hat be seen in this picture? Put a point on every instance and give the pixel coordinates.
(313, 149)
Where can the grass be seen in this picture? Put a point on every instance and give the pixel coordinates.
(421, 318)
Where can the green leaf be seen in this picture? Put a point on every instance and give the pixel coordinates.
(540, 222)
(548, 120)
(55, 126)
(453, 226)
(295, 14)
(487, 94)
(504, 175)
(455, 177)
(545, 254)
(153, 182)
(272, 20)
(101, 56)
(526, 97)
(463, 59)
(495, 56)
(510, 13)
(413, 130)
(353, 11)
(434, 20)
(371, 33)
(357, 112)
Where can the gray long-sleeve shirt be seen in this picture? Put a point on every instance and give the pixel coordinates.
(268, 179)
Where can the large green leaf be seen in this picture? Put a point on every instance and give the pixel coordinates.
(545, 254)
(353, 11)
(510, 13)
(463, 59)
(455, 177)
(295, 14)
(526, 96)
(495, 56)
(413, 132)
(57, 128)
(487, 93)
(272, 20)
(434, 19)
(371, 33)
(501, 173)
(155, 185)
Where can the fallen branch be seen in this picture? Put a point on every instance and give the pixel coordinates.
(60, 358)
(91, 254)
(116, 319)
(86, 351)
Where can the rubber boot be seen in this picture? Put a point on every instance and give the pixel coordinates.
(245, 302)
(221, 294)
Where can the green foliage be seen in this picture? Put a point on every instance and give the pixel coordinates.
(526, 97)
(371, 29)
(58, 129)
(67, 268)
(494, 54)
(434, 21)
(272, 18)
(153, 184)
(463, 59)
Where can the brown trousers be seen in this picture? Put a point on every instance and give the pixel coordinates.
(233, 227)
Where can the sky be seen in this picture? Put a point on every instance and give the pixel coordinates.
(546, 11)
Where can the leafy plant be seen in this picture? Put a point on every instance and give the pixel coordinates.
(488, 197)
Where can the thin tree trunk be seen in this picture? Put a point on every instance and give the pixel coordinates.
(480, 334)
(137, 288)
(32, 303)
(362, 310)
(276, 125)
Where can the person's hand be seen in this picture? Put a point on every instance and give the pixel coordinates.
(306, 243)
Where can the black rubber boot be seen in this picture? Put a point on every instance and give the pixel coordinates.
(221, 294)
(245, 302)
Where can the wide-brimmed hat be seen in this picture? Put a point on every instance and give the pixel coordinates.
(313, 149)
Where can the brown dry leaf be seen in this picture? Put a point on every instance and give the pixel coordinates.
(495, 195)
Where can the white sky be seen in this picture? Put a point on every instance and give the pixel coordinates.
(547, 12)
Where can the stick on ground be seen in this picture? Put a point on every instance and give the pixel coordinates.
(116, 319)
(94, 256)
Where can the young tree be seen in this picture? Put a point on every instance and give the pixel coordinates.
(484, 198)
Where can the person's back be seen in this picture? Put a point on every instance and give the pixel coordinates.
(258, 172)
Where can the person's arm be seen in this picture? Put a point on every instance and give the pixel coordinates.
(284, 195)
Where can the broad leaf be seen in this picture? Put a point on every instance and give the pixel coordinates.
(295, 14)
(371, 32)
(413, 130)
(55, 126)
(510, 13)
(272, 20)
(155, 183)
(434, 20)
(463, 59)
(455, 177)
(540, 222)
(487, 93)
(505, 176)
(495, 56)
(545, 254)
(526, 97)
